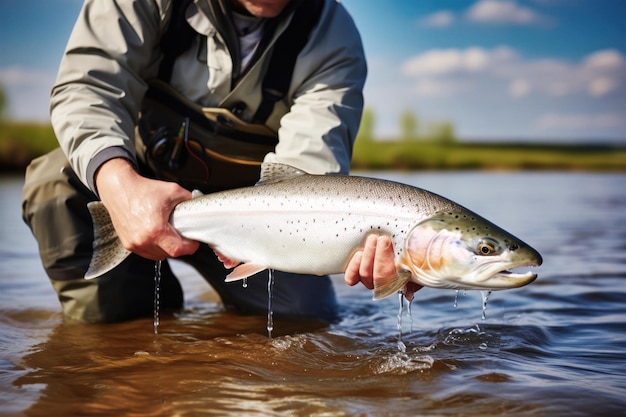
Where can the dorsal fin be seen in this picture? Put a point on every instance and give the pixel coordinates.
(272, 172)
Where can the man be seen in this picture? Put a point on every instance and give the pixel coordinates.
(113, 52)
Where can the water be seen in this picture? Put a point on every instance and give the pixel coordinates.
(270, 298)
(553, 348)
(157, 296)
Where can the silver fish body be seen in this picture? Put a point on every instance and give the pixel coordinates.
(312, 224)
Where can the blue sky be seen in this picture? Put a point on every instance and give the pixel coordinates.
(497, 69)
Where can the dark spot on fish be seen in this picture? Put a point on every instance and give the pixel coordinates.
(513, 247)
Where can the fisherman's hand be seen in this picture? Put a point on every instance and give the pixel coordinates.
(375, 261)
(140, 209)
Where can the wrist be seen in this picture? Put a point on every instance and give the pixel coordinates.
(113, 175)
(100, 159)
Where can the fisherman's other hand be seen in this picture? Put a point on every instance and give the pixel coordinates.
(140, 209)
(375, 261)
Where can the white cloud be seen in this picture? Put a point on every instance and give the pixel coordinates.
(554, 121)
(519, 88)
(608, 59)
(432, 87)
(445, 71)
(503, 12)
(440, 19)
(601, 86)
(11, 76)
(445, 61)
(27, 92)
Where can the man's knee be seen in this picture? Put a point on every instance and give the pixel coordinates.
(124, 293)
(54, 206)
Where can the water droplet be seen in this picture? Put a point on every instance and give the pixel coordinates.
(485, 295)
(270, 293)
(456, 298)
(409, 314)
(245, 282)
(157, 288)
(401, 345)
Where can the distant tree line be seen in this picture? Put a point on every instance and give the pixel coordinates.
(3, 102)
(410, 129)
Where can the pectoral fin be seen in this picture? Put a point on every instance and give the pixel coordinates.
(228, 262)
(384, 287)
(244, 271)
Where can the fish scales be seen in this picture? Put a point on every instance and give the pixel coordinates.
(309, 224)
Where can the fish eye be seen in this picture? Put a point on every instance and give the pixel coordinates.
(487, 247)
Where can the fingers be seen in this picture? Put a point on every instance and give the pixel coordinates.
(366, 269)
(352, 276)
(373, 262)
(384, 265)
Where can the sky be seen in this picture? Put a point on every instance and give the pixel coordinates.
(521, 70)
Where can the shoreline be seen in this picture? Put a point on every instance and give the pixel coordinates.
(20, 142)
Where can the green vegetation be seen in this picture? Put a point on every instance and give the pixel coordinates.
(437, 155)
(20, 142)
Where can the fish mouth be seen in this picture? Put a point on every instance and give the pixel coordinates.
(510, 279)
(500, 280)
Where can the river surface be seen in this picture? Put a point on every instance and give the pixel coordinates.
(554, 348)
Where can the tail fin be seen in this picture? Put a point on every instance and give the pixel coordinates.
(108, 251)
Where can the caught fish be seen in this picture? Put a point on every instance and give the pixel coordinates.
(296, 222)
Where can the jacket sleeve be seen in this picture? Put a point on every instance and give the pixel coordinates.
(95, 101)
(317, 133)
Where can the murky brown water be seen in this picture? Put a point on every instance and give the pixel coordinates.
(553, 348)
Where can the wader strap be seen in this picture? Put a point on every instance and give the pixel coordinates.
(288, 46)
(176, 40)
(179, 36)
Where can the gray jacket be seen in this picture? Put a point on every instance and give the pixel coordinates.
(114, 50)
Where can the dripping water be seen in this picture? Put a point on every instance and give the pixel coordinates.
(270, 312)
(456, 298)
(157, 288)
(409, 314)
(245, 282)
(401, 345)
(485, 295)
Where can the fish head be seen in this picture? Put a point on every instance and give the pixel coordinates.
(458, 249)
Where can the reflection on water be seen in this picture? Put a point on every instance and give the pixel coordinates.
(555, 347)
